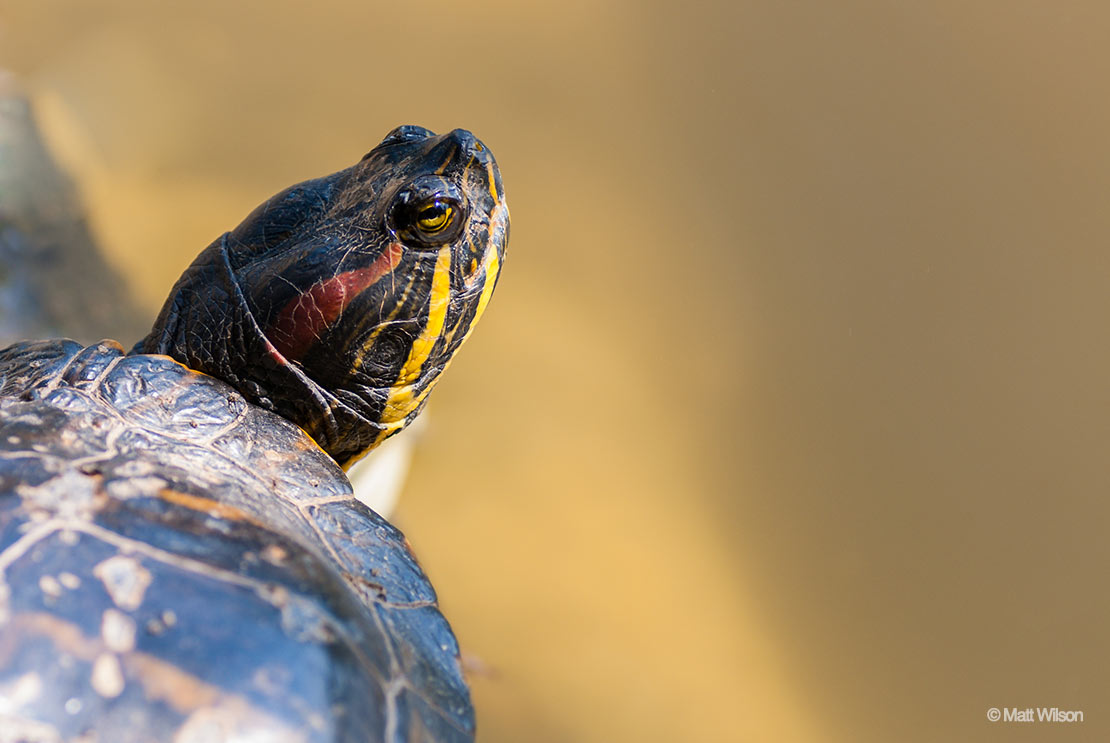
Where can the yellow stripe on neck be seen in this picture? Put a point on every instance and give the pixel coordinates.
(401, 399)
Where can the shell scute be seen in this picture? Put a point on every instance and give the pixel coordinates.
(367, 546)
(30, 364)
(163, 396)
(427, 652)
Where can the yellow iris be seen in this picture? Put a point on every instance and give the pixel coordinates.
(435, 217)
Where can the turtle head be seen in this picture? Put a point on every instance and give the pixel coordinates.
(339, 302)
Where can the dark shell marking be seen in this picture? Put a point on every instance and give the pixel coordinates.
(176, 564)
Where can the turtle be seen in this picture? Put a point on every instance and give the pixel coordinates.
(181, 555)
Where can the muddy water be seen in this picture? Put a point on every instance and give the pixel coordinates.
(788, 420)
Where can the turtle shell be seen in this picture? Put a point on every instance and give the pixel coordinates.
(177, 564)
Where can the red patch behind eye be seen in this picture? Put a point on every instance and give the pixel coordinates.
(305, 318)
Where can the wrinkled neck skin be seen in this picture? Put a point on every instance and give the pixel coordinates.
(234, 348)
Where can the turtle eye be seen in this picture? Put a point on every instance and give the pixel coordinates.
(430, 212)
(435, 217)
(433, 221)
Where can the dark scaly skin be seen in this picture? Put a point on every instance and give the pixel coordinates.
(178, 563)
(229, 315)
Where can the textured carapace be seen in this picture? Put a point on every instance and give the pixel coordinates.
(179, 565)
(339, 301)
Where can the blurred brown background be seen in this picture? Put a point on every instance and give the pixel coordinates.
(790, 419)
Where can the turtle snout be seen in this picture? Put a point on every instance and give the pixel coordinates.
(474, 157)
(470, 147)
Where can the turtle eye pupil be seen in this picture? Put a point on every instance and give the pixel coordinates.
(435, 217)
